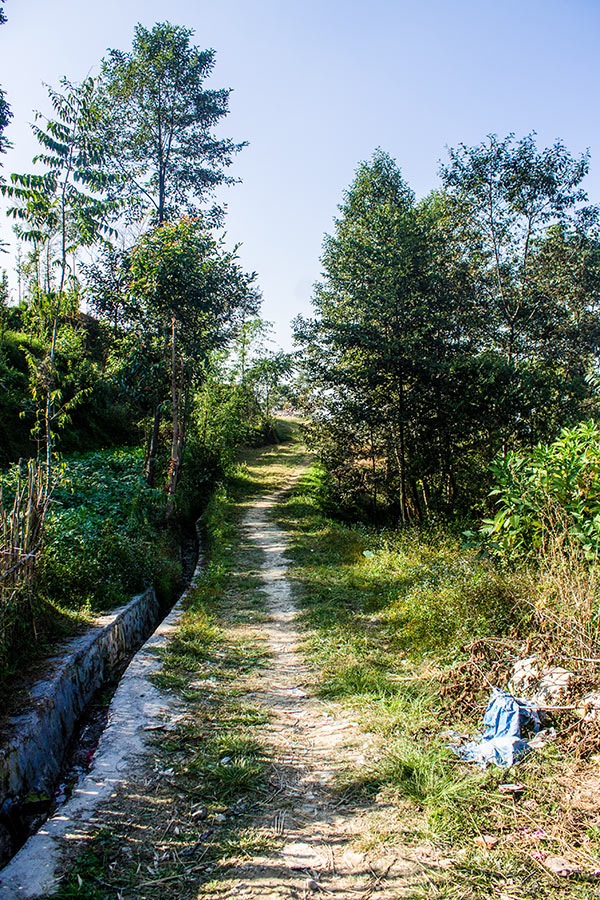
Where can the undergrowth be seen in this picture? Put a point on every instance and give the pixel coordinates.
(195, 806)
(390, 617)
(104, 541)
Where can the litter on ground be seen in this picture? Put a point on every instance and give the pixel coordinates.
(507, 723)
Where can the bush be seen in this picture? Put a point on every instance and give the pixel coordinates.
(104, 540)
(548, 496)
(102, 532)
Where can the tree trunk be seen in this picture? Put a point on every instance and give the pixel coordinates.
(178, 394)
(373, 469)
(402, 458)
(153, 447)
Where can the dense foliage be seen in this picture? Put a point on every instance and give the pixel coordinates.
(453, 329)
(104, 531)
(103, 541)
(549, 495)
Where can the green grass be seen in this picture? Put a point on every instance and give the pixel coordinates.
(373, 602)
(386, 615)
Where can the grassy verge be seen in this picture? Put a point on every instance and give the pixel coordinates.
(388, 616)
(191, 812)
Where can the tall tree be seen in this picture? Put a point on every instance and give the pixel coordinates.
(193, 293)
(5, 113)
(159, 123)
(504, 195)
(364, 342)
(65, 203)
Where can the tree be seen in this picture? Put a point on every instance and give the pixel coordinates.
(159, 122)
(4, 298)
(107, 286)
(5, 113)
(61, 210)
(266, 375)
(504, 195)
(190, 291)
(517, 218)
(365, 341)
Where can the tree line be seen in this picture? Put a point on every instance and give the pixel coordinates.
(454, 329)
(127, 168)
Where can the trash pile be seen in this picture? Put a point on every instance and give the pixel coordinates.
(512, 725)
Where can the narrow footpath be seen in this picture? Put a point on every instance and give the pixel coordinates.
(318, 844)
(239, 788)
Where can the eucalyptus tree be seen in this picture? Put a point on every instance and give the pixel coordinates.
(159, 120)
(504, 194)
(520, 227)
(267, 373)
(447, 330)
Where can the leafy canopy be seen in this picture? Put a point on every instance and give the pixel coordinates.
(503, 195)
(181, 275)
(159, 119)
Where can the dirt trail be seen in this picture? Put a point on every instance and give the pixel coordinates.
(314, 839)
(318, 836)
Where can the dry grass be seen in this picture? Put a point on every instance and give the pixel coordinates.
(21, 536)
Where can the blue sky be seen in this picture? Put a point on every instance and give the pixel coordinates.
(317, 86)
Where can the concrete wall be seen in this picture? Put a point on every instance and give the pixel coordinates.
(33, 753)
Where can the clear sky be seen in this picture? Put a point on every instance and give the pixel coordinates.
(317, 86)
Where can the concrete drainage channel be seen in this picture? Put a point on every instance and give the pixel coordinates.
(32, 760)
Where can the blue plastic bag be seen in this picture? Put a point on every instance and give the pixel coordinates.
(502, 743)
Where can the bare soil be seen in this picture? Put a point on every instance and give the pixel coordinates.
(317, 834)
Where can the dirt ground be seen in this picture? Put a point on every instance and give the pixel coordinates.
(319, 846)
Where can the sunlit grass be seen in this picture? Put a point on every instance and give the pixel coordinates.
(386, 614)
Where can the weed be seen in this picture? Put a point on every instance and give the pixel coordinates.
(387, 614)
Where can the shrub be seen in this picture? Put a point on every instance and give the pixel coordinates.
(101, 532)
(549, 495)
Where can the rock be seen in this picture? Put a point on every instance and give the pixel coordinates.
(560, 866)
(589, 707)
(543, 685)
(199, 813)
(553, 686)
(488, 841)
(525, 674)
